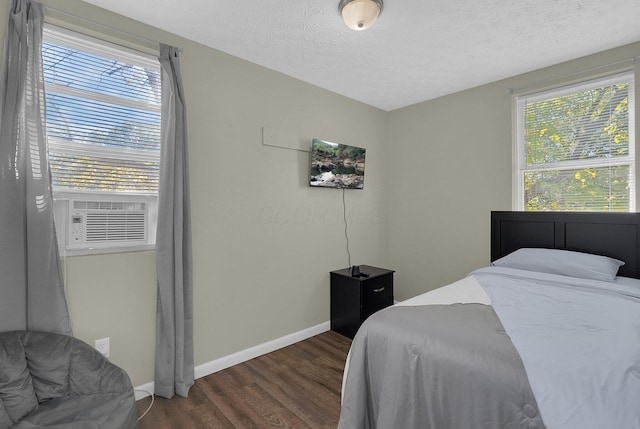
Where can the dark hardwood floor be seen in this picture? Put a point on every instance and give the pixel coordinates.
(295, 387)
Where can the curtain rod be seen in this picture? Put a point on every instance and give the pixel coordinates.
(632, 60)
(105, 26)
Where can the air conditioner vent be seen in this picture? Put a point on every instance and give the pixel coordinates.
(108, 205)
(104, 223)
(125, 226)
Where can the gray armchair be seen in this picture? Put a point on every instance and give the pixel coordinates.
(55, 381)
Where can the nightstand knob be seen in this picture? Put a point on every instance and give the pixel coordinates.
(379, 289)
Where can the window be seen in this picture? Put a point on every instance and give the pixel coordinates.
(575, 147)
(103, 132)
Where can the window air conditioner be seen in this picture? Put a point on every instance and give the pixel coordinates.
(107, 223)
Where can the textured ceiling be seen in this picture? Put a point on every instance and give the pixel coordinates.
(416, 51)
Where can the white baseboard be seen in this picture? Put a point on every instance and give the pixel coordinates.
(243, 355)
(259, 350)
(144, 390)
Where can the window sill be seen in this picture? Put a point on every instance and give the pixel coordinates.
(103, 251)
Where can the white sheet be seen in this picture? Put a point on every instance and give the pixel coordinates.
(464, 291)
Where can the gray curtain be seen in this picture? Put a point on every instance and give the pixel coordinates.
(174, 317)
(31, 288)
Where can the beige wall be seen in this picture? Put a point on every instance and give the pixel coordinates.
(451, 160)
(264, 242)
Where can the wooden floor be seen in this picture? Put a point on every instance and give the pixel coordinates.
(295, 387)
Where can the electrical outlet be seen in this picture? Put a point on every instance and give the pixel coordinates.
(102, 345)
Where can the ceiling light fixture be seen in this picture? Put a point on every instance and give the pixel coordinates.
(360, 14)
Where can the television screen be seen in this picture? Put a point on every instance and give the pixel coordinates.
(336, 165)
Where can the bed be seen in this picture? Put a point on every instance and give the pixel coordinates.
(548, 336)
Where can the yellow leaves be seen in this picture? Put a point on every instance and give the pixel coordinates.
(621, 138)
(623, 106)
(583, 175)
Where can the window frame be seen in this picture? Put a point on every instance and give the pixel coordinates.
(520, 167)
(62, 197)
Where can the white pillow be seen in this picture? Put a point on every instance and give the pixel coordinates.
(563, 262)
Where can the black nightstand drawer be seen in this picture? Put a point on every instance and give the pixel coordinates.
(368, 311)
(377, 289)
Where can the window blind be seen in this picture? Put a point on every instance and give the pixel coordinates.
(576, 147)
(102, 114)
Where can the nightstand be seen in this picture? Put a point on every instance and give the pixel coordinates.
(353, 299)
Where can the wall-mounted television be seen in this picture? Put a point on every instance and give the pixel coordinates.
(336, 165)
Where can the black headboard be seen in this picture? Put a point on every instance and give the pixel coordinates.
(611, 234)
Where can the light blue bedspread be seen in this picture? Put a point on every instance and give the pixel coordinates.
(579, 341)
